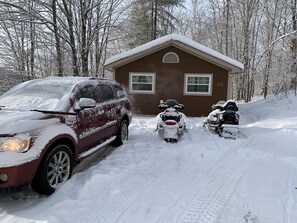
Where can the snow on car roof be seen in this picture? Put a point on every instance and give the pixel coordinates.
(49, 93)
(69, 80)
(179, 38)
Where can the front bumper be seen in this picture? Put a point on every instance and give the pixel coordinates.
(18, 175)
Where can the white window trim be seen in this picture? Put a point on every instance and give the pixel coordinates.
(209, 93)
(163, 60)
(142, 74)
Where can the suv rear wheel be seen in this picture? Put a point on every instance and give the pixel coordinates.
(122, 134)
(55, 169)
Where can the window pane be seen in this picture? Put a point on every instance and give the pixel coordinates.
(135, 78)
(192, 80)
(146, 79)
(202, 88)
(142, 79)
(106, 92)
(204, 80)
(198, 84)
(120, 91)
(142, 82)
(170, 58)
(198, 80)
(89, 92)
(197, 88)
(142, 87)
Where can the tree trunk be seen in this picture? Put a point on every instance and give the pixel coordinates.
(228, 2)
(69, 17)
(84, 45)
(57, 39)
(294, 43)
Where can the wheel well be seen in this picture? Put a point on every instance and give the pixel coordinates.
(64, 141)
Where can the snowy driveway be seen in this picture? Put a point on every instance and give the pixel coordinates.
(202, 178)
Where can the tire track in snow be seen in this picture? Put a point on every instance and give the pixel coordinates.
(128, 190)
(171, 185)
(289, 198)
(119, 200)
(207, 204)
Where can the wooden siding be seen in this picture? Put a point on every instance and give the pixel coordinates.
(170, 82)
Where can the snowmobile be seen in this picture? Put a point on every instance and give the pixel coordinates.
(171, 124)
(224, 119)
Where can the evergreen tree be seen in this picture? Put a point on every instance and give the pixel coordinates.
(150, 19)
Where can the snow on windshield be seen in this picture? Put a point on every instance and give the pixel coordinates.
(38, 95)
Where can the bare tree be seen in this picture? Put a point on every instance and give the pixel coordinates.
(272, 11)
(78, 30)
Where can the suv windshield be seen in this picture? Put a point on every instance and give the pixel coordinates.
(45, 96)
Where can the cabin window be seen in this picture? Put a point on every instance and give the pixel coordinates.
(198, 84)
(170, 57)
(142, 83)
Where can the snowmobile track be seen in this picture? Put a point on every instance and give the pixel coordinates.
(208, 202)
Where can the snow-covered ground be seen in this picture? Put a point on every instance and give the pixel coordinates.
(202, 178)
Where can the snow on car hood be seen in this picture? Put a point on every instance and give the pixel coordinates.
(13, 122)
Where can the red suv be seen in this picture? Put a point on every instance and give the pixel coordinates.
(47, 125)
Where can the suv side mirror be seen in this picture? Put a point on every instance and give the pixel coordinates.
(85, 103)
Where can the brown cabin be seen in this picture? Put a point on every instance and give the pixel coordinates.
(174, 67)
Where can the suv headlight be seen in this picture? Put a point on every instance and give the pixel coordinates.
(18, 143)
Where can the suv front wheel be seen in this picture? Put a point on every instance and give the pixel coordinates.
(55, 169)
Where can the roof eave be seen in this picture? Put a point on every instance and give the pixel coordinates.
(235, 67)
(231, 67)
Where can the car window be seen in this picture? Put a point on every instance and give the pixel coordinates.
(107, 92)
(89, 91)
(120, 92)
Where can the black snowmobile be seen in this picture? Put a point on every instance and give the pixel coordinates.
(224, 119)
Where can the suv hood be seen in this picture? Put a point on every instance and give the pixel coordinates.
(13, 122)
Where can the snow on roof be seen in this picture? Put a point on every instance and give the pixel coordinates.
(179, 38)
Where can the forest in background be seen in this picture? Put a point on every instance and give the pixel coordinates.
(40, 38)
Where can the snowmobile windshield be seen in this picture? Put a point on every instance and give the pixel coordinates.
(230, 105)
(171, 103)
